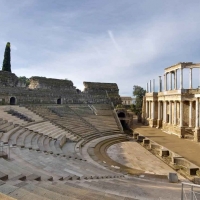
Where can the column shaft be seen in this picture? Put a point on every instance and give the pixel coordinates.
(170, 80)
(170, 112)
(159, 110)
(197, 112)
(190, 114)
(147, 88)
(175, 111)
(164, 111)
(147, 112)
(181, 113)
(190, 78)
(181, 78)
(153, 111)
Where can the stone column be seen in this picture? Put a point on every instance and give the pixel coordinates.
(170, 80)
(147, 88)
(147, 110)
(160, 85)
(197, 131)
(153, 111)
(175, 111)
(181, 78)
(166, 82)
(153, 85)
(190, 78)
(190, 114)
(159, 116)
(197, 113)
(150, 86)
(175, 81)
(164, 111)
(181, 113)
(170, 112)
(165, 87)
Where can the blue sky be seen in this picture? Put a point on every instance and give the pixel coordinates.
(124, 41)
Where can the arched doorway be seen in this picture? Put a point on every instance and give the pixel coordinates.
(12, 101)
(59, 101)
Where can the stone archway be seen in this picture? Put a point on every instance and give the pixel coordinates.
(59, 101)
(12, 101)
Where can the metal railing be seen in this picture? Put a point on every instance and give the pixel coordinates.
(190, 191)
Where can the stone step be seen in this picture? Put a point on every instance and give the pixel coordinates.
(42, 192)
(6, 136)
(14, 137)
(6, 197)
(6, 170)
(28, 139)
(47, 145)
(34, 142)
(24, 194)
(21, 138)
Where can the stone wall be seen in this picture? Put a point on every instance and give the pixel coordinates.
(44, 91)
(108, 89)
(49, 83)
(8, 79)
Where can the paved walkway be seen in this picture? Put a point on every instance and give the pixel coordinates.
(186, 148)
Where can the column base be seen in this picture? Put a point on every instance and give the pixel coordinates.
(197, 135)
(159, 123)
(152, 123)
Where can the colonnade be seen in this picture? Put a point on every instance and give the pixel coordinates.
(172, 112)
(150, 87)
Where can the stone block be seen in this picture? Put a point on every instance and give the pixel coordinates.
(146, 141)
(135, 135)
(155, 146)
(140, 138)
(164, 152)
(173, 178)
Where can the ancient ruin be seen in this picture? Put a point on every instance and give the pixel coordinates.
(174, 109)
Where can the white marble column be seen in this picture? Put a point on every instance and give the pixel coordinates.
(170, 81)
(150, 86)
(175, 79)
(170, 112)
(153, 89)
(175, 111)
(181, 78)
(147, 88)
(190, 78)
(160, 84)
(153, 110)
(147, 109)
(181, 113)
(197, 113)
(165, 86)
(164, 110)
(159, 110)
(190, 114)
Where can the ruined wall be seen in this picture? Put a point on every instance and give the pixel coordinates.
(103, 89)
(37, 82)
(44, 91)
(8, 79)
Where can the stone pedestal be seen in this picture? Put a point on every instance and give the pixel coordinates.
(152, 123)
(159, 123)
(173, 178)
(197, 135)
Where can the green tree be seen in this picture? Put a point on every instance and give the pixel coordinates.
(24, 80)
(6, 61)
(139, 93)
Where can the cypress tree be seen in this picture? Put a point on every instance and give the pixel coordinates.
(6, 61)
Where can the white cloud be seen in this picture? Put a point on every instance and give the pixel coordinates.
(107, 45)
